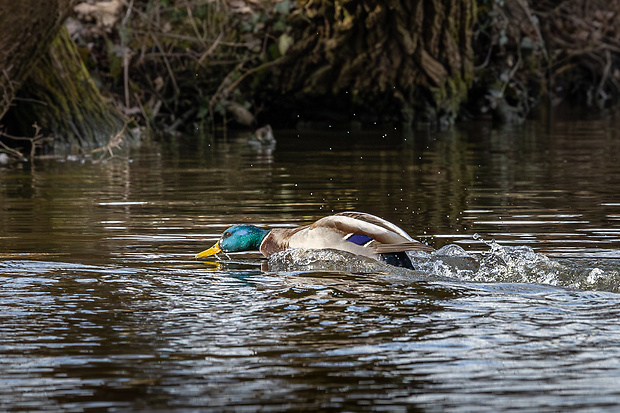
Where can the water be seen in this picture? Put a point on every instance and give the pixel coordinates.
(103, 309)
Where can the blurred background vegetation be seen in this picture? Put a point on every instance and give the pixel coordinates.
(178, 66)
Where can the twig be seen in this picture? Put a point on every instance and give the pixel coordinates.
(35, 141)
(511, 75)
(221, 91)
(180, 37)
(193, 23)
(167, 63)
(37, 101)
(129, 10)
(211, 48)
(606, 70)
(534, 24)
(141, 106)
(114, 142)
(253, 70)
(126, 53)
(12, 151)
(7, 96)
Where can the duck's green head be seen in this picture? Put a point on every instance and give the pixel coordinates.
(237, 238)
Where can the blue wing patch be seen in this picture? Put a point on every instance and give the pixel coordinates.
(359, 239)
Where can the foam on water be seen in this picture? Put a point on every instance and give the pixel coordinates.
(499, 264)
(298, 260)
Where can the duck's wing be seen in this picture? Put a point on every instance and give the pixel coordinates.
(368, 231)
(356, 232)
(374, 227)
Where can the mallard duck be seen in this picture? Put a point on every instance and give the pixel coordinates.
(355, 232)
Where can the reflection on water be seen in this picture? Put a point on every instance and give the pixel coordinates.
(103, 308)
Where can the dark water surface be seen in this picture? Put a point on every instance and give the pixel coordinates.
(103, 308)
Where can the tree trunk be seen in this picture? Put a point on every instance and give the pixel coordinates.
(61, 97)
(44, 81)
(415, 55)
(28, 28)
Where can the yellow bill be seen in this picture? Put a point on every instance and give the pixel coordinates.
(211, 251)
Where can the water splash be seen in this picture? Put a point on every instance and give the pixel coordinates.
(521, 264)
(499, 264)
(305, 260)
